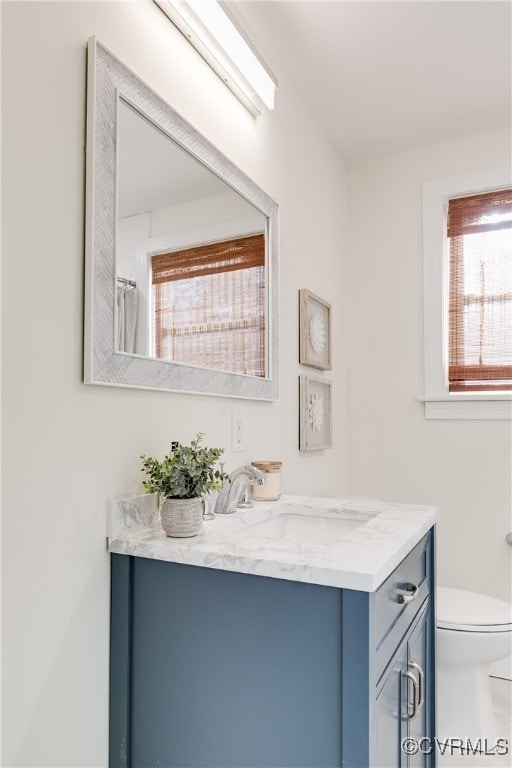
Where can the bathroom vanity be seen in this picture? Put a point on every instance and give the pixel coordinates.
(299, 633)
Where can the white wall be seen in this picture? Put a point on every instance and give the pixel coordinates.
(70, 447)
(463, 466)
(201, 213)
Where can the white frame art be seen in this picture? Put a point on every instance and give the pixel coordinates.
(314, 331)
(315, 416)
(109, 82)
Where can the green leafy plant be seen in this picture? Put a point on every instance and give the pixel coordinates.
(187, 471)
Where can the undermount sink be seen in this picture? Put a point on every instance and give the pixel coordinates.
(306, 529)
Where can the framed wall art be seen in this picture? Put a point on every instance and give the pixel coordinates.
(315, 416)
(314, 331)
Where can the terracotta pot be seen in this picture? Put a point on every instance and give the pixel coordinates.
(182, 517)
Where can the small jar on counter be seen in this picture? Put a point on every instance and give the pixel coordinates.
(271, 490)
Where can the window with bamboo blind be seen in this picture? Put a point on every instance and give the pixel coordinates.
(479, 229)
(210, 306)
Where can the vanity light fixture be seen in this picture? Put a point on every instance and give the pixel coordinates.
(214, 35)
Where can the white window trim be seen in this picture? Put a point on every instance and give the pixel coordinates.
(439, 403)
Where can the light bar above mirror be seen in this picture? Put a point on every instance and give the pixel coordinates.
(213, 33)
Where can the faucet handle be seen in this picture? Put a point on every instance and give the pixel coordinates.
(244, 502)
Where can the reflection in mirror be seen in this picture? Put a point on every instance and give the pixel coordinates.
(181, 267)
(191, 258)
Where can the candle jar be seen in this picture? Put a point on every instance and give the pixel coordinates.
(271, 490)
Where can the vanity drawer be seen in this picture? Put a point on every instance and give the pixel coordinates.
(399, 599)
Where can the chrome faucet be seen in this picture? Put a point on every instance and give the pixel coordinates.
(234, 494)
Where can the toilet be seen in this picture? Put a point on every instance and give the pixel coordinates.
(473, 631)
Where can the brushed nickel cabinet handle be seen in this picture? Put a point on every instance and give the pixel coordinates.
(409, 676)
(421, 682)
(407, 593)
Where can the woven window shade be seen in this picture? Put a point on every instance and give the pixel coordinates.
(210, 306)
(226, 256)
(480, 310)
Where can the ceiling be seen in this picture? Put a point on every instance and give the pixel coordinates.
(381, 76)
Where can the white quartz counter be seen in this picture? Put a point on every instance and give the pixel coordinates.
(361, 559)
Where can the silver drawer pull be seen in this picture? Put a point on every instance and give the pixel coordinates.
(421, 682)
(415, 697)
(407, 593)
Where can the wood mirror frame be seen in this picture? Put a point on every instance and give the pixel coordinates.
(108, 81)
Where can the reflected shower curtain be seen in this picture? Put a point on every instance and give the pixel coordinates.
(126, 318)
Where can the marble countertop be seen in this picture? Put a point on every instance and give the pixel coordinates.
(360, 560)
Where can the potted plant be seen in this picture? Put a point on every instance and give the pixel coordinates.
(181, 478)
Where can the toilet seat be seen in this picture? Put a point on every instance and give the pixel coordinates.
(489, 629)
(464, 611)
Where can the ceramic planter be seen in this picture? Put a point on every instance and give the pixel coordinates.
(182, 517)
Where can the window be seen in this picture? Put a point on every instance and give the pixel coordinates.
(479, 230)
(467, 240)
(210, 305)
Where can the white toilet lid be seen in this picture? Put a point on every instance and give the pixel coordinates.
(459, 609)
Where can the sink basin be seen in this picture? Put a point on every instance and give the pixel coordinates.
(307, 529)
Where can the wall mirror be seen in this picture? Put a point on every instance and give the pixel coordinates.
(181, 251)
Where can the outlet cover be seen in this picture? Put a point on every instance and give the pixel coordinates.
(237, 432)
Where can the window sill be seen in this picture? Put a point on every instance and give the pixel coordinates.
(482, 406)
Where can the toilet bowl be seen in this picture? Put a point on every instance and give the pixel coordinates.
(473, 631)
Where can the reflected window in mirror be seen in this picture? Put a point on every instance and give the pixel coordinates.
(209, 306)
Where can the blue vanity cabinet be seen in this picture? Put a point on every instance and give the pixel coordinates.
(389, 729)
(419, 662)
(218, 669)
(403, 709)
(395, 629)
(405, 628)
